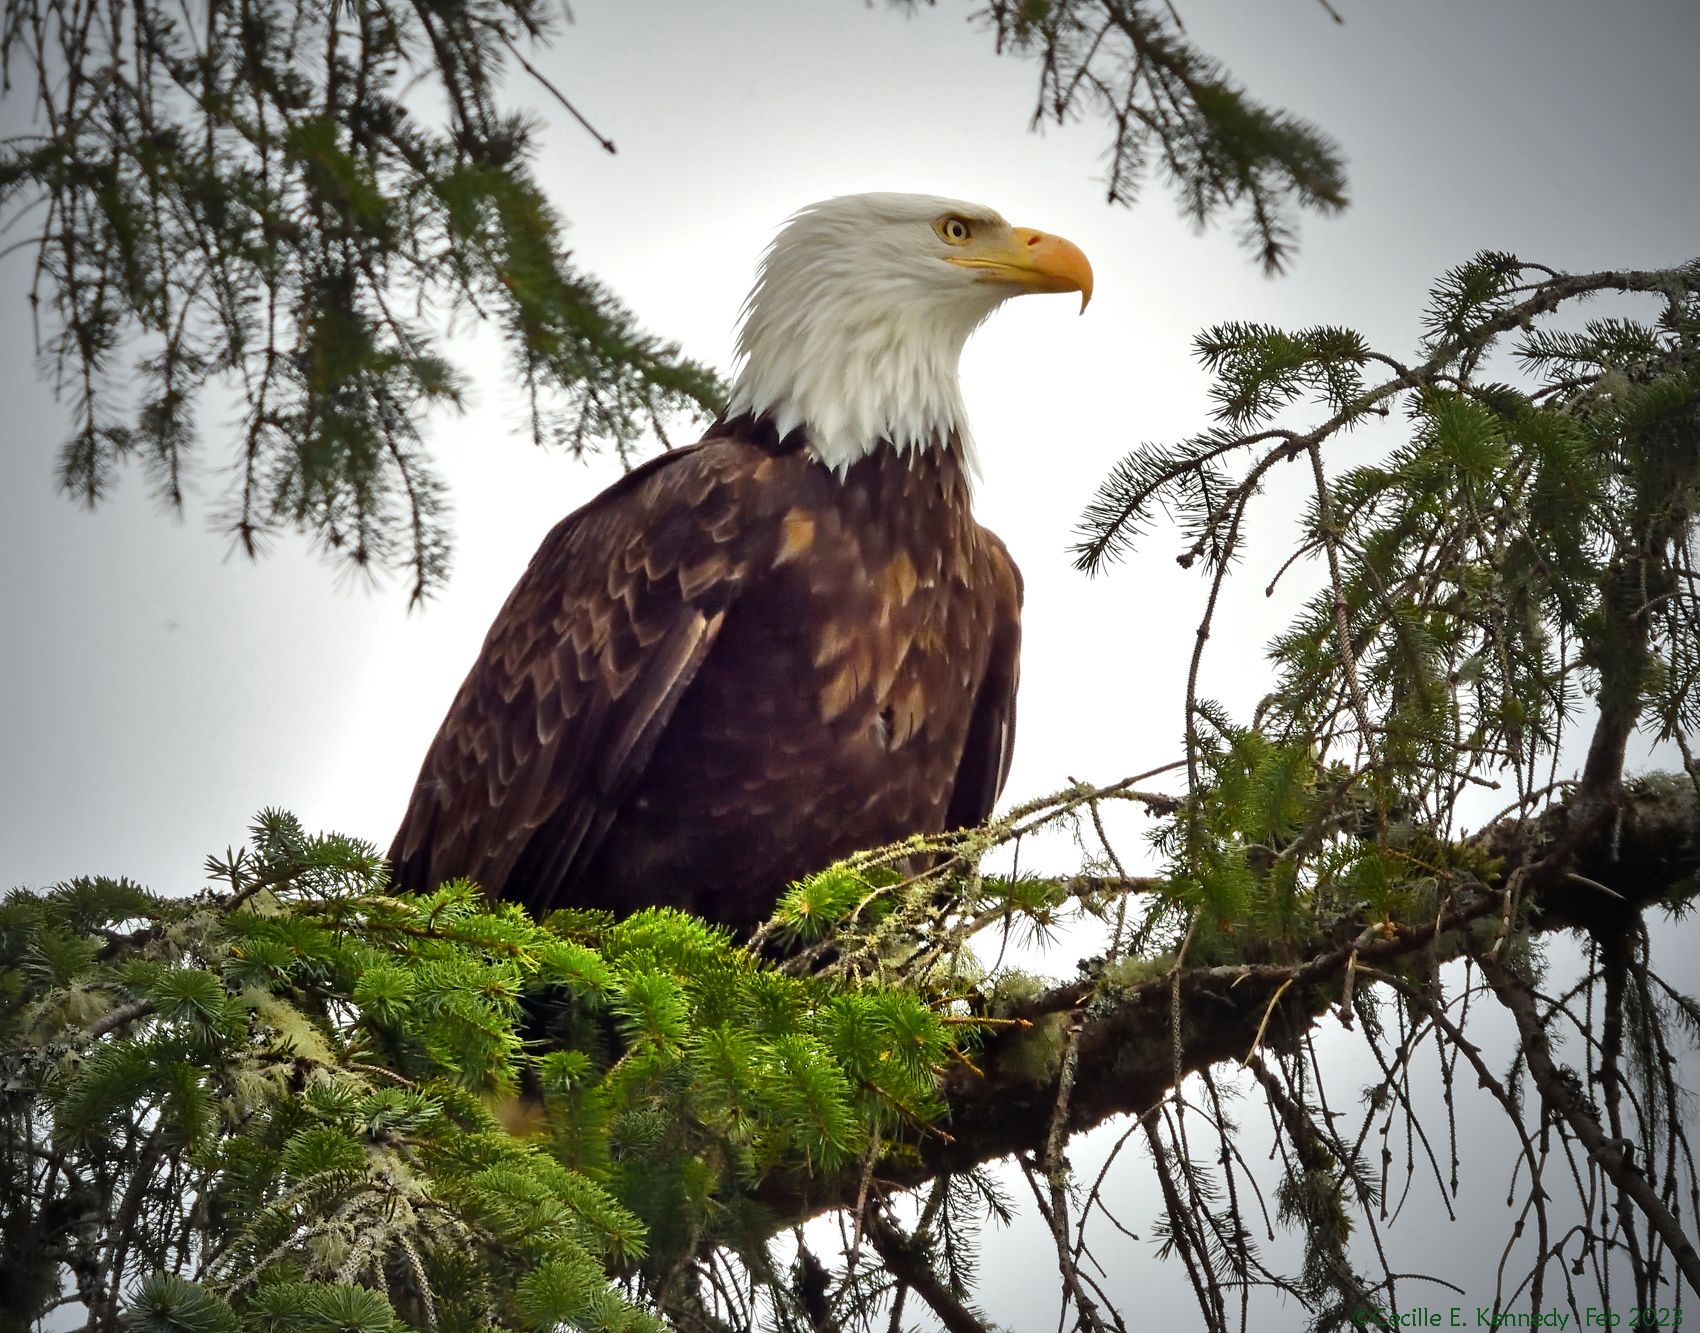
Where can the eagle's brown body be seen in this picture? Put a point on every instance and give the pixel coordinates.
(729, 669)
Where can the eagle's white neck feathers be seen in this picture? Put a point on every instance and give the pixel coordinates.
(855, 328)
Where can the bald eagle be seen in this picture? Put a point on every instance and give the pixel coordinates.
(782, 644)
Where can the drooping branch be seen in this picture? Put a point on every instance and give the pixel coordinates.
(252, 197)
(1564, 1100)
(902, 1259)
(1174, 112)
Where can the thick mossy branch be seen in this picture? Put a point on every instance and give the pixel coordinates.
(1001, 1104)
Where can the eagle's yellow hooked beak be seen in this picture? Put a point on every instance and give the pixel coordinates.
(1034, 261)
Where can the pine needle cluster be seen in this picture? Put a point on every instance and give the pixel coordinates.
(298, 203)
(1527, 542)
(291, 1104)
(1175, 113)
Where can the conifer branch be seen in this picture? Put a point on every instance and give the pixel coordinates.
(602, 140)
(999, 1107)
(1172, 107)
(225, 208)
(116, 1018)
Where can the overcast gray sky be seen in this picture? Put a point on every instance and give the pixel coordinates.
(155, 694)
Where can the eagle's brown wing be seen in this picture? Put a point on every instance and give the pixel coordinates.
(991, 729)
(576, 680)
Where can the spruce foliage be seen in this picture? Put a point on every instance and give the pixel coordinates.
(1515, 533)
(300, 203)
(1175, 113)
(281, 1106)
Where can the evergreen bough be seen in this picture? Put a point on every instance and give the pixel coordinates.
(276, 1107)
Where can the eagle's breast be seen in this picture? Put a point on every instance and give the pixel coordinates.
(731, 668)
(833, 712)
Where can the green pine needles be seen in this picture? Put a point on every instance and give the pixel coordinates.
(281, 1107)
(295, 205)
(1516, 547)
(1176, 113)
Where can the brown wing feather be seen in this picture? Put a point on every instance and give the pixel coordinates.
(575, 684)
(991, 729)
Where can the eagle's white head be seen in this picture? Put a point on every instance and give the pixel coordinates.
(860, 311)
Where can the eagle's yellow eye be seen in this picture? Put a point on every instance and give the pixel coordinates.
(953, 230)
